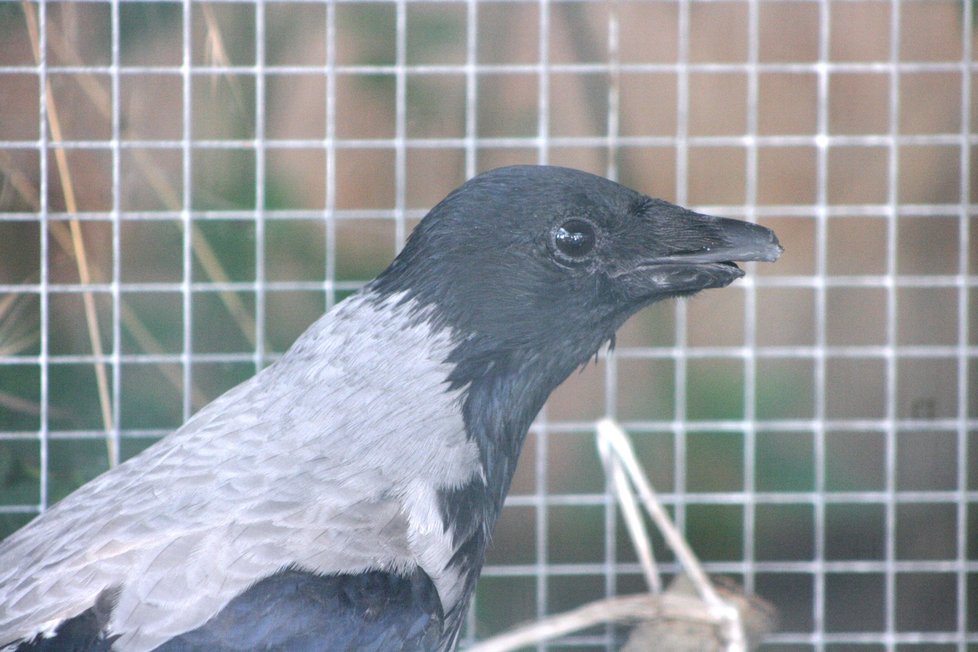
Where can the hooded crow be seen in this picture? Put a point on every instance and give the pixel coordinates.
(343, 498)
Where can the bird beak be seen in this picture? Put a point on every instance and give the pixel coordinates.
(730, 241)
(704, 255)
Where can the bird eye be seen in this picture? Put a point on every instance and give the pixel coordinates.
(575, 238)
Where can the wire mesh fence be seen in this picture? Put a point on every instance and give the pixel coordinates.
(184, 186)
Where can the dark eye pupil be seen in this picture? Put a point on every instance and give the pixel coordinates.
(575, 238)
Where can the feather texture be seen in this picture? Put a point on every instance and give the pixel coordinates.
(339, 490)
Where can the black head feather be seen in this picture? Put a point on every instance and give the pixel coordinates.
(537, 266)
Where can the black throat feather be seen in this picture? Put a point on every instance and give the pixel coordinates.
(503, 384)
(502, 394)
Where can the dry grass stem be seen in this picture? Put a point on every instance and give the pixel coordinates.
(148, 343)
(78, 244)
(71, 239)
(18, 181)
(202, 249)
(216, 54)
(16, 334)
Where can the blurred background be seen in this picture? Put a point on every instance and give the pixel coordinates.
(185, 186)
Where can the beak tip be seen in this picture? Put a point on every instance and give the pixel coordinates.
(774, 250)
(770, 250)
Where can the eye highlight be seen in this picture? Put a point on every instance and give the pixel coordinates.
(575, 238)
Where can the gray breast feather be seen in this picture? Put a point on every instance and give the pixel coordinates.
(335, 469)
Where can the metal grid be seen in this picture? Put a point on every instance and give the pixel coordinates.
(195, 182)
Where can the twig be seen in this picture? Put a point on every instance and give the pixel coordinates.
(617, 441)
(612, 438)
(691, 614)
(633, 518)
(625, 609)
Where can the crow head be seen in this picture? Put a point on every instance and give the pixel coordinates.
(545, 263)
